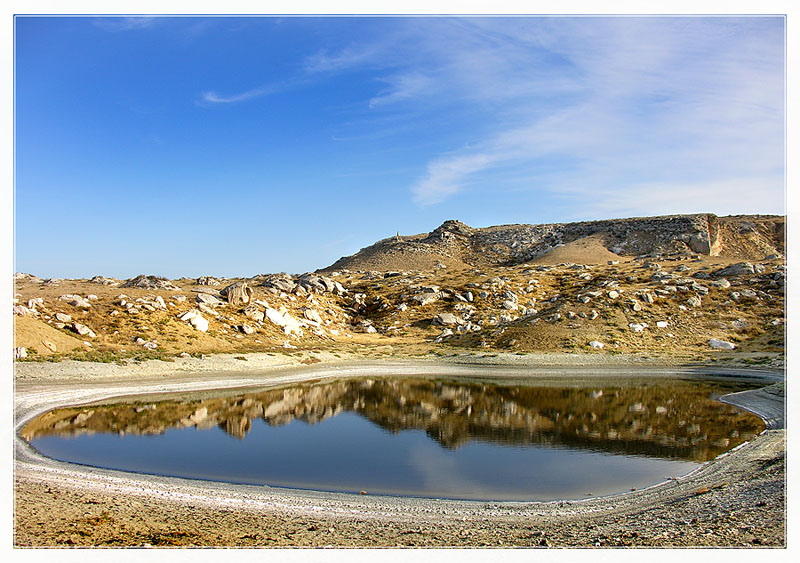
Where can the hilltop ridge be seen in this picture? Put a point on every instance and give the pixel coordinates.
(454, 244)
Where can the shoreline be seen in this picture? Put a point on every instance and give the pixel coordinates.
(725, 477)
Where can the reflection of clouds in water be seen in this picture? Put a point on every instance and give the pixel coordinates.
(439, 471)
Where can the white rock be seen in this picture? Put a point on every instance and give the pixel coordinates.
(662, 324)
(20, 353)
(721, 344)
(199, 323)
(596, 344)
(637, 327)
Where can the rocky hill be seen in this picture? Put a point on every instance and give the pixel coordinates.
(684, 288)
(454, 244)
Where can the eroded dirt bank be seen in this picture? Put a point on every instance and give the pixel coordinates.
(736, 500)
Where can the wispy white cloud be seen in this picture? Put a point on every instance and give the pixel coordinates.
(649, 106)
(215, 98)
(446, 176)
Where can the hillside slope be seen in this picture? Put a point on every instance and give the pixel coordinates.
(456, 245)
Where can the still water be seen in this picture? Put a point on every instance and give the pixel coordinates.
(429, 437)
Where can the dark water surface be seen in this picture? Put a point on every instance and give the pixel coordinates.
(431, 437)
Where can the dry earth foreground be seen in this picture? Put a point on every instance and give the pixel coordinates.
(696, 291)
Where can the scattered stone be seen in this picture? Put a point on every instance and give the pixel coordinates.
(101, 280)
(721, 344)
(83, 330)
(23, 311)
(151, 282)
(509, 305)
(75, 300)
(207, 310)
(596, 344)
(445, 333)
(253, 312)
(63, 318)
(208, 280)
(694, 301)
(20, 353)
(247, 329)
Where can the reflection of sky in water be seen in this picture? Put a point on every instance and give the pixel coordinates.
(349, 453)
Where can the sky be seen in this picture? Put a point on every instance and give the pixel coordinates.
(233, 146)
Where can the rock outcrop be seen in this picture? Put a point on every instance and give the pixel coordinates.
(455, 244)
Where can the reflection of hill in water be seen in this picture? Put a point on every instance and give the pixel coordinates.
(676, 419)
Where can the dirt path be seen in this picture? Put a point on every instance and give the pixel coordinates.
(735, 500)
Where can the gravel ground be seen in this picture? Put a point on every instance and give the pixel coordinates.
(735, 500)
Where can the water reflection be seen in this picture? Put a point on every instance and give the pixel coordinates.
(675, 419)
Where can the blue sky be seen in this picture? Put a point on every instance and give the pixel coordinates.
(235, 146)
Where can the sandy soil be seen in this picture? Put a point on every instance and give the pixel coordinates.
(735, 500)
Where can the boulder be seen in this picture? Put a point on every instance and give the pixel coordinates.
(739, 269)
(596, 344)
(208, 299)
(721, 344)
(279, 282)
(253, 312)
(195, 319)
(427, 297)
(312, 315)
(63, 318)
(238, 294)
(446, 319)
(83, 330)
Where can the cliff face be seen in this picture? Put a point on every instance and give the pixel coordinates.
(454, 244)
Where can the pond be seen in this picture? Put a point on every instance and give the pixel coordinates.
(433, 437)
